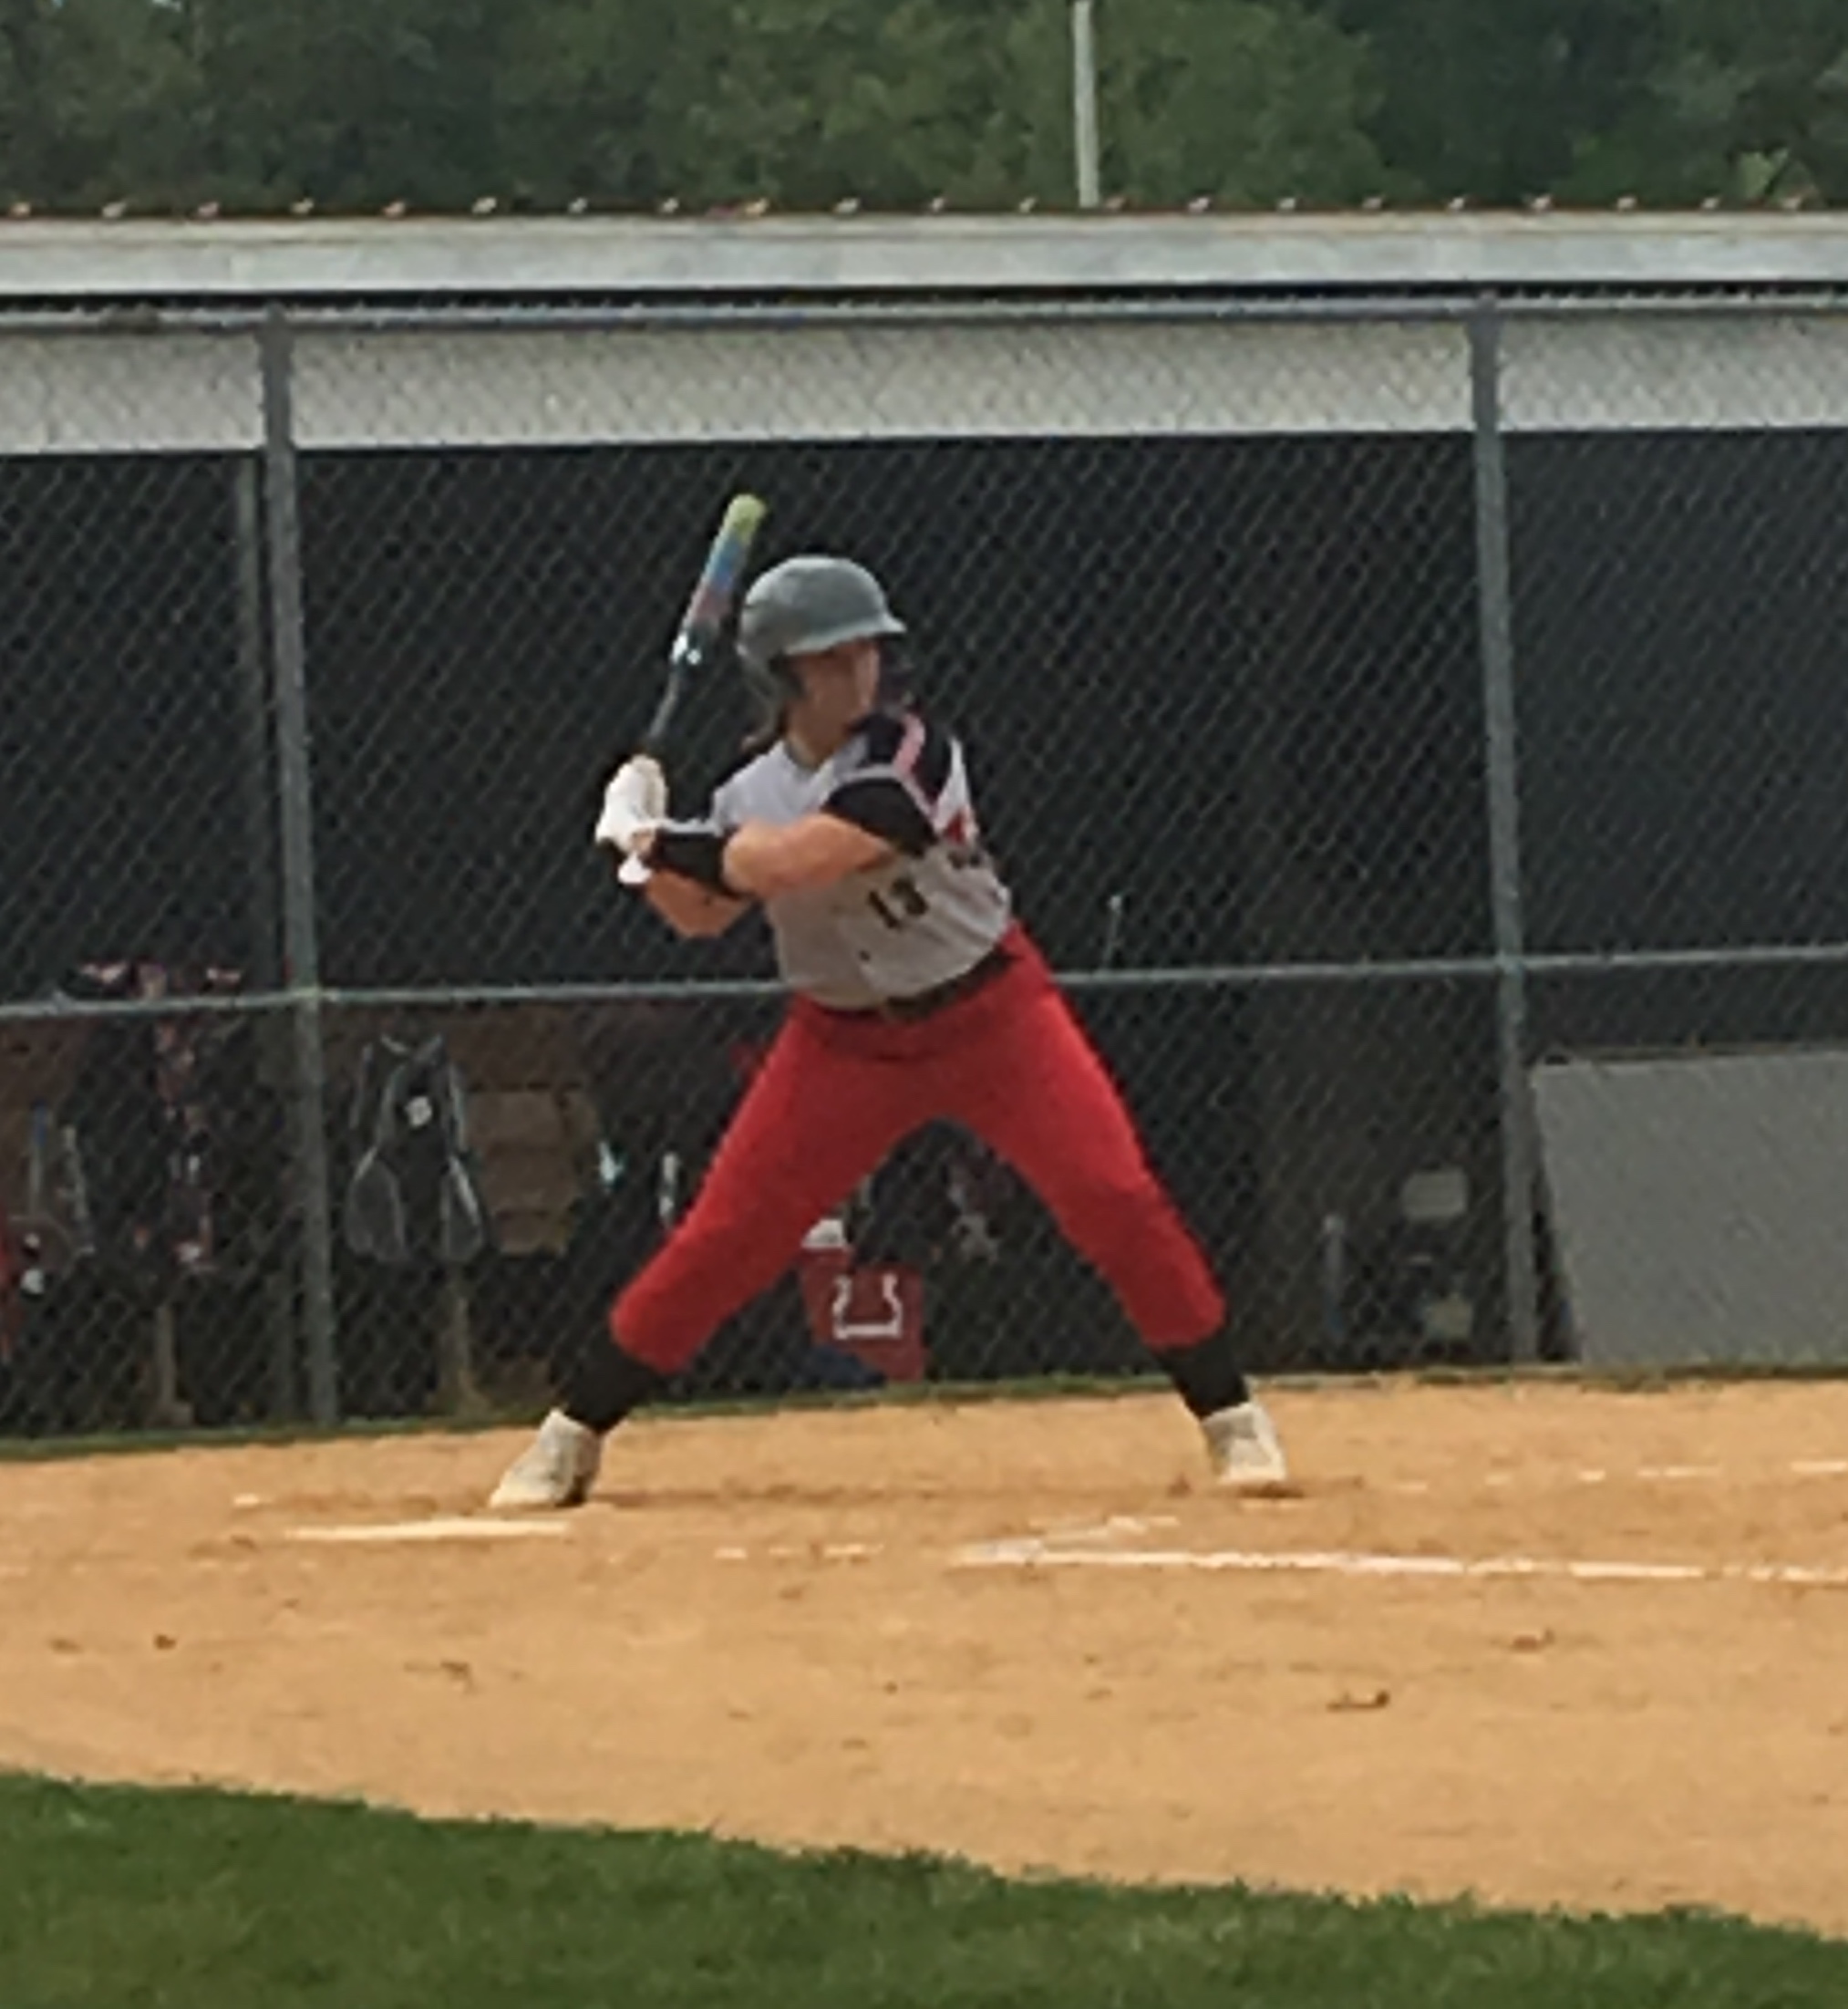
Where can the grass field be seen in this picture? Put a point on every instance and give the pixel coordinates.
(203, 1900)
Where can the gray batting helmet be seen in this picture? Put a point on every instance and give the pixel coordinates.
(803, 606)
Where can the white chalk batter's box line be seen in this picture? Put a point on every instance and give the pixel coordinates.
(442, 1528)
(1098, 1547)
(1093, 1549)
(1655, 1475)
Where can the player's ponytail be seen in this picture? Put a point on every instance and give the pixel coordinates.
(897, 674)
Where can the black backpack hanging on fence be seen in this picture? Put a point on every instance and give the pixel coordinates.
(413, 1196)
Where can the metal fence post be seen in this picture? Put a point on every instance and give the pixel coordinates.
(1503, 787)
(301, 947)
(254, 695)
(262, 963)
(1084, 101)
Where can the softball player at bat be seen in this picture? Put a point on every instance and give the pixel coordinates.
(917, 997)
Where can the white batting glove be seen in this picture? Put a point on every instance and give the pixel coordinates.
(635, 872)
(635, 805)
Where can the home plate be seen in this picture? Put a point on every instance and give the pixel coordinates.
(457, 1528)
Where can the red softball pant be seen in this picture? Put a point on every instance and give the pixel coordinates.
(838, 1090)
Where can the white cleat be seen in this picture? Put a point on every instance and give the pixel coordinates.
(557, 1470)
(1245, 1450)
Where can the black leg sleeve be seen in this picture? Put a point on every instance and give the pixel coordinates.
(1207, 1375)
(608, 1385)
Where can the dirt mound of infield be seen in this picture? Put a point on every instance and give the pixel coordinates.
(1024, 1632)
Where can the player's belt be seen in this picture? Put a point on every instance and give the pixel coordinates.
(927, 1004)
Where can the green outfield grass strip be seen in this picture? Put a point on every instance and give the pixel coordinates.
(112, 1898)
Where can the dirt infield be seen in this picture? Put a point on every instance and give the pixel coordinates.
(1026, 1633)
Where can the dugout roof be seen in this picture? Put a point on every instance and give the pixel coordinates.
(738, 255)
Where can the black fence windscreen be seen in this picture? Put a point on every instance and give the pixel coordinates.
(1213, 638)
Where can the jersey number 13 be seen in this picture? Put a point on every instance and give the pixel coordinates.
(898, 901)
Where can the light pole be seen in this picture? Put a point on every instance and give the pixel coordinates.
(1084, 100)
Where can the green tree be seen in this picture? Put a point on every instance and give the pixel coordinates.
(580, 104)
(802, 102)
(1500, 101)
(351, 103)
(25, 111)
(807, 102)
(127, 105)
(1250, 103)
(253, 102)
(1750, 99)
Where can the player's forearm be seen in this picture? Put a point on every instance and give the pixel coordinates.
(691, 909)
(767, 859)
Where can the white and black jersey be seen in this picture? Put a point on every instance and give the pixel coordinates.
(925, 919)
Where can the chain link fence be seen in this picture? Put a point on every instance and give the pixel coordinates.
(1410, 729)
